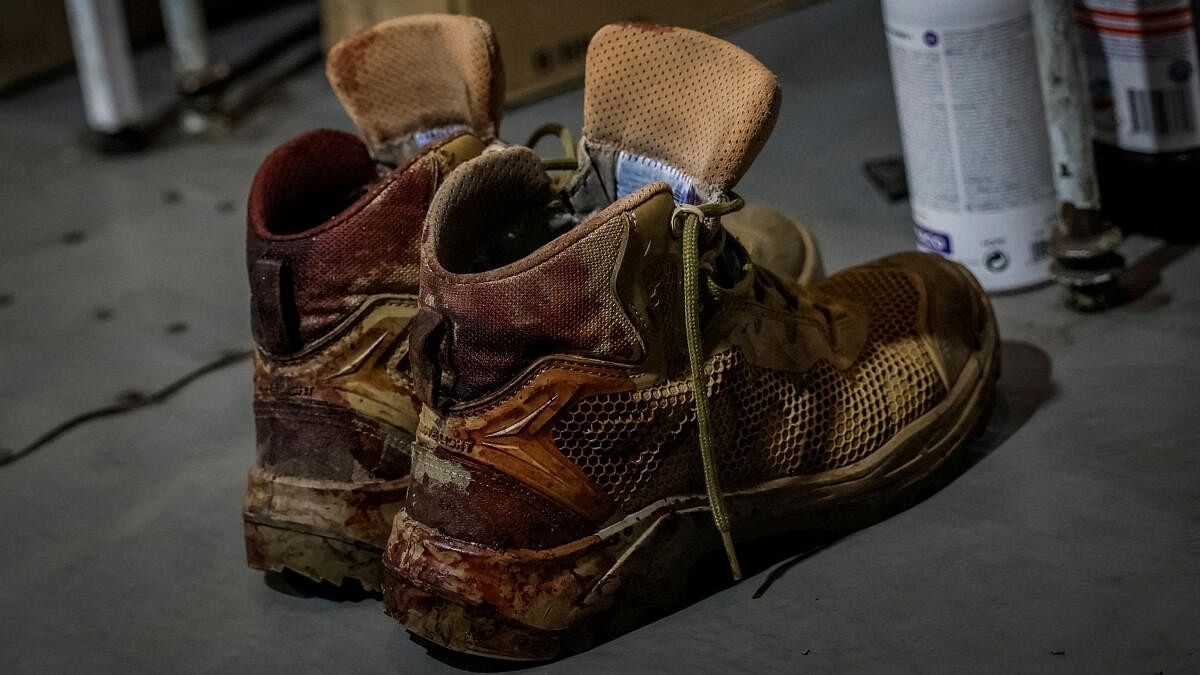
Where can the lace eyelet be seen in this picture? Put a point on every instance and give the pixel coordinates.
(680, 214)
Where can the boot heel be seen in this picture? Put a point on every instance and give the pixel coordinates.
(321, 559)
(324, 530)
(535, 605)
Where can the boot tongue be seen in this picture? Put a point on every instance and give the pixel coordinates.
(410, 81)
(674, 105)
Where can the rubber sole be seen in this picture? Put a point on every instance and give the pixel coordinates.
(537, 605)
(325, 531)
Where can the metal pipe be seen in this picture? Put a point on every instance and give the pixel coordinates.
(105, 65)
(1083, 243)
(187, 39)
(1068, 110)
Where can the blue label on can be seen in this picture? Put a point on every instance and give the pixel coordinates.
(929, 240)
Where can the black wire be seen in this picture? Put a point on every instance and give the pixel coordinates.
(134, 403)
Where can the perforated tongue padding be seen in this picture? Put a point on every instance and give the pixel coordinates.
(409, 81)
(677, 97)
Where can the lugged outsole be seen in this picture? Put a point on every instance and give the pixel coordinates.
(323, 530)
(317, 558)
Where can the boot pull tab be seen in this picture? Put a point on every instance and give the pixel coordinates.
(429, 343)
(274, 319)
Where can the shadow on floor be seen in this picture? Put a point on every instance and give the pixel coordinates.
(1025, 385)
(1140, 283)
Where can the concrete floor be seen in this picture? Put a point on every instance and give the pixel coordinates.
(1071, 545)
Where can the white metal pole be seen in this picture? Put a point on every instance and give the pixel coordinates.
(1068, 111)
(1086, 262)
(105, 64)
(187, 38)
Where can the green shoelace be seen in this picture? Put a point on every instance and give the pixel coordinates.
(687, 221)
(569, 161)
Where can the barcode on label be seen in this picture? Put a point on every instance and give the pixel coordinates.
(1160, 111)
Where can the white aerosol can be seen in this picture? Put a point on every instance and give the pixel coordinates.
(976, 150)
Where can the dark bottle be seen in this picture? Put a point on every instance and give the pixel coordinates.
(1144, 78)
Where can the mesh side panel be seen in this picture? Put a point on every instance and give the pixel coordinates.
(564, 305)
(370, 248)
(419, 72)
(641, 446)
(696, 102)
(558, 299)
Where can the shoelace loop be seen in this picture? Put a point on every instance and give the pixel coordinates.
(686, 222)
(569, 161)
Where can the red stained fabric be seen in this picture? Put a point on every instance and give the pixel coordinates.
(335, 250)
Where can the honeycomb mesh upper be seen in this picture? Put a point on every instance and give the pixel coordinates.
(694, 101)
(641, 446)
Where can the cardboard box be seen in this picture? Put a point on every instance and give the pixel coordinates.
(33, 40)
(544, 43)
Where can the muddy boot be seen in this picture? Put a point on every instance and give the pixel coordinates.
(334, 228)
(613, 390)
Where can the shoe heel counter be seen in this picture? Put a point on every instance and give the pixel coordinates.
(274, 319)
(311, 439)
(470, 501)
(343, 409)
(492, 473)
(496, 304)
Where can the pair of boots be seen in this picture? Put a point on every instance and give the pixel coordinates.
(541, 396)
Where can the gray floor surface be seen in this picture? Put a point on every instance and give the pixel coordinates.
(1071, 545)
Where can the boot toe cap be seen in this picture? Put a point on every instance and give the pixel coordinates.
(956, 309)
